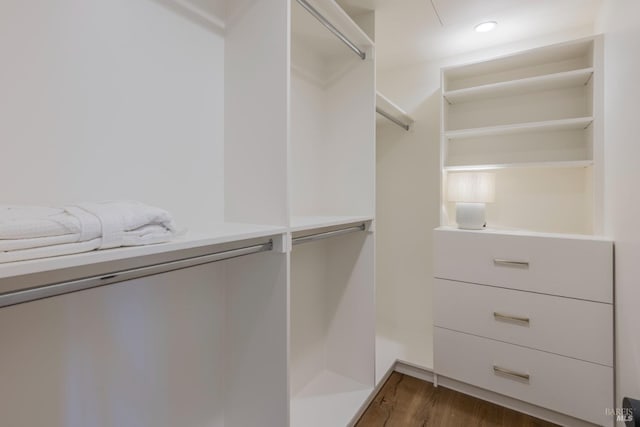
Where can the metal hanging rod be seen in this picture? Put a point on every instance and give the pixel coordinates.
(324, 21)
(393, 119)
(47, 291)
(327, 234)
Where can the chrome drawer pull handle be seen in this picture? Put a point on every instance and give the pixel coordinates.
(508, 372)
(509, 318)
(508, 263)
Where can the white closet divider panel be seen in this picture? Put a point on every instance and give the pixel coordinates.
(256, 114)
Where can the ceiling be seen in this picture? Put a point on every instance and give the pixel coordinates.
(411, 31)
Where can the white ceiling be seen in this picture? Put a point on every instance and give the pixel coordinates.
(411, 31)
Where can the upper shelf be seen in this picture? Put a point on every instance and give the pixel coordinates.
(392, 112)
(303, 223)
(570, 56)
(567, 79)
(527, 165)
(216, 234)
(546, 126)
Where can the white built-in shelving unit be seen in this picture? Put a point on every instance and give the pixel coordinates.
(535, 120)
(255, 126)
(537, 111)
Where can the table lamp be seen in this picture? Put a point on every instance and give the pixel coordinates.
(470, 191)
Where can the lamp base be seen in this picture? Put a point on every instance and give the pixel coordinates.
(470, 216)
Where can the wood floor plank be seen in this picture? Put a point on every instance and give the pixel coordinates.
(405, 401)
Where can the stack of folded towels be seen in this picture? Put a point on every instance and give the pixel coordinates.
(30, 232)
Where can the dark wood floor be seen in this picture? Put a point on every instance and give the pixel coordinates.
(406, 402)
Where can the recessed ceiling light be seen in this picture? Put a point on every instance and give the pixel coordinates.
(485, 26)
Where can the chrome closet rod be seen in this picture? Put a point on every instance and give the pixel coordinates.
(327, 234)
(324, 21)
(393, 119)
(47, 291)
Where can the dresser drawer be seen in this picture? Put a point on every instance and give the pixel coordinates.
(570, 327)
(566, 266)
(581, 389)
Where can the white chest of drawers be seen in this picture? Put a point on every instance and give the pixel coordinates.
(527, 315)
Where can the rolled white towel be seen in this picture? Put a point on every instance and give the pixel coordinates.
(120, 222)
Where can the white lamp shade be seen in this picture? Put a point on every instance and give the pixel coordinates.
(471, 187)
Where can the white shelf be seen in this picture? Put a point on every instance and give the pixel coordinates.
(527, 233)
(383, 103)
(531, 165)
(564, 80)
(302, 223)
(545, 126)
(214, 235)
(330, 399)
(532, 63)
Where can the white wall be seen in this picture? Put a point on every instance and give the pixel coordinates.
(118, 99)
(621, 24)
(408, 194)
(256, 112)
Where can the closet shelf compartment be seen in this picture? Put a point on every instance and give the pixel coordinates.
(570, 56)
(531, 165)
(311, 33)
(563, 80)
(544, 126)
(329, 399)
(217, 234)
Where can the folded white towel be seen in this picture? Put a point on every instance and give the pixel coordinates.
(36, 232)
(49, 251)
(25, 222)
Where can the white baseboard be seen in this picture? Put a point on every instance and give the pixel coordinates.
(414, 371)
(372, 396)
(428, 375)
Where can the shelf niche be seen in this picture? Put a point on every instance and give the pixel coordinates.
(332, 328)
(528, 117)
(332, 117)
